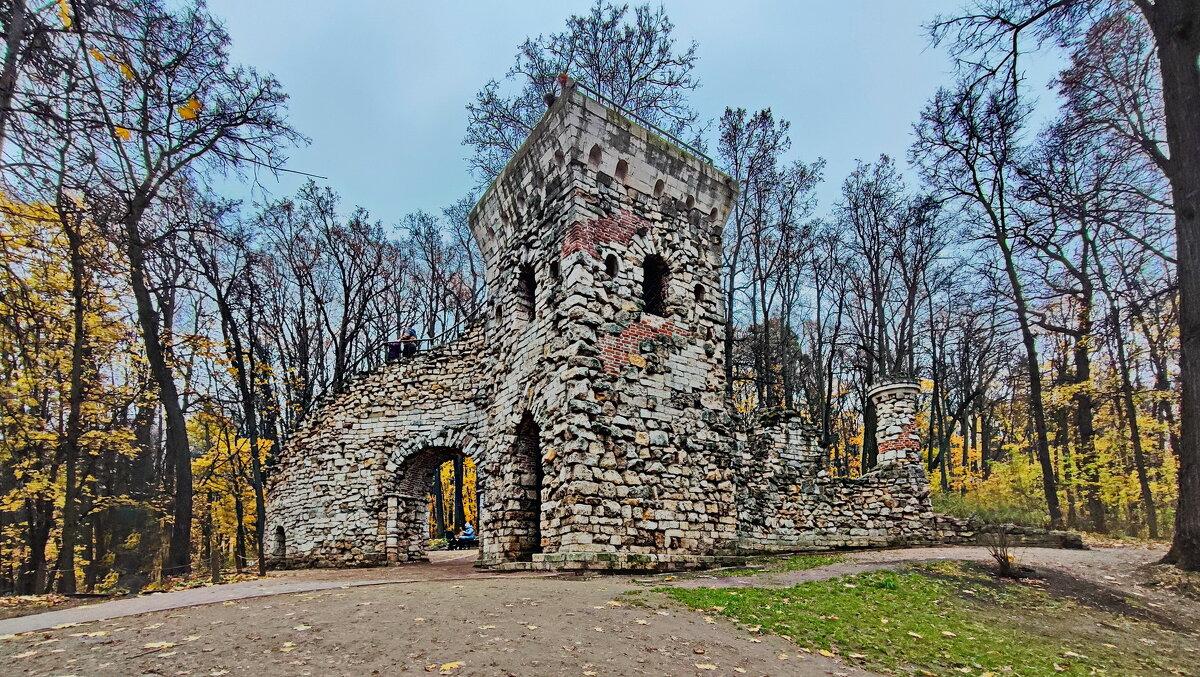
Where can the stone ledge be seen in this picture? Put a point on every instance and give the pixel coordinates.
(618, 562)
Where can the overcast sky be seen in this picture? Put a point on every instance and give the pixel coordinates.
(380, 86)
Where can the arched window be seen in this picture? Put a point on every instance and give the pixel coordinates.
(594, 157)
(655, 277)
(699, 292)
(659, 186)
(611, 265)
(526, 293)
(280, 542)
(622, 170)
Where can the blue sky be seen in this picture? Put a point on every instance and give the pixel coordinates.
(380, 86)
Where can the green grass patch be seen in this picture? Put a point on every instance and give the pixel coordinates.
(945, 619)
(776, 564)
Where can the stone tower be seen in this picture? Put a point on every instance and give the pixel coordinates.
(602, 243)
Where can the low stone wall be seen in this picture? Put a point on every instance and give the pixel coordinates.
(964, 531)
(788, 501)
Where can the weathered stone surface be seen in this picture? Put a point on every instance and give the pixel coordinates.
(595, 414)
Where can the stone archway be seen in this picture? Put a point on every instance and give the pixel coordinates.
(411, 469)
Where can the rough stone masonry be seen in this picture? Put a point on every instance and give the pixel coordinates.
(591, 392)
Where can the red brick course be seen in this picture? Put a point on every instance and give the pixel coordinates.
(584, 236)
(615, 349)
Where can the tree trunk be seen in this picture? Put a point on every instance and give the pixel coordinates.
(1176, 26)
(14, 34)
(71, 444)
(179, 554)
(459, 515)
(1034, 373)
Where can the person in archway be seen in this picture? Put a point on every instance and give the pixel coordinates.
(467, 539)
(408, 341)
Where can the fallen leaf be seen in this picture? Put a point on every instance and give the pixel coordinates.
(914, 635)
(191, 638)
(288, 646)
(708, 619)
(448, 667)
(487, 627)
(642, 621)
(153, 626)
(158, 645)
(532, 627)
(63, 626)
(947, 633)
(303, 627)
(25, 654)
(705, 666)
(826, 653)
(739, 670)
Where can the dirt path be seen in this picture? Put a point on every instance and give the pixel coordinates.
(492, 627)
(421, 619)
(448, 566)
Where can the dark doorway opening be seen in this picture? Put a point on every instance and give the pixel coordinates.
(527, 455)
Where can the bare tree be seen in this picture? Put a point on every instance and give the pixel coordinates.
(632, 60)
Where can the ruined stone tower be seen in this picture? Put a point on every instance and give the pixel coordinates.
(590, 393)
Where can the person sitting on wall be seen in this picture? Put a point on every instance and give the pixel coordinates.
(394, 349)
(409, 342)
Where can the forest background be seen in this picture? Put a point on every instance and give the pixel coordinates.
(159, 342)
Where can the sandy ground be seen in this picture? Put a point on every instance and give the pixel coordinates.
(449, 618)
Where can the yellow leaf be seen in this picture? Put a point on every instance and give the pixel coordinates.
(288, 646)
(826, 653)
(122, 133)
(98, 55)
(64, 13)
(158, 645)
(127, 71)
(453, 665)
(188, 111)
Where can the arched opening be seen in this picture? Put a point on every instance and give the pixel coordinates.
(611, 266)
(659, 186)
(689, 202)
(560, 159)
(453, 514)
(526, 524)
(555, 271)
(280, 543)
(698, 291)
(595, 155)
(433, 501)
(655, 277)
(526, 293)
(622, 170)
